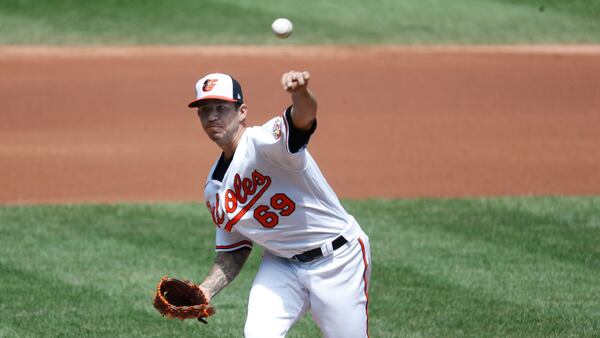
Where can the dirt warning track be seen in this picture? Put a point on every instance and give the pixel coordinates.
(111, 124)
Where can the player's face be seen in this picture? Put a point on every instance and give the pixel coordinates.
(220, 120)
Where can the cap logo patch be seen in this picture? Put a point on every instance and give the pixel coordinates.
(277, 129)
(209, 85)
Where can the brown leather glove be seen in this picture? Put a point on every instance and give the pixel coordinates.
(181, 299)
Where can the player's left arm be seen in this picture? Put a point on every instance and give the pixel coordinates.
(304, 103)
(226, 267)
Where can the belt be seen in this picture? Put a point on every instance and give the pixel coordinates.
(316, 253)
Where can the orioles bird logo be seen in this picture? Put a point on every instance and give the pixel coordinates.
(209, 85)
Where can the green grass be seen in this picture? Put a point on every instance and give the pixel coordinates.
(201, 22)
(487, 267)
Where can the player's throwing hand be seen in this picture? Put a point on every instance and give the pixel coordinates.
(294, 81)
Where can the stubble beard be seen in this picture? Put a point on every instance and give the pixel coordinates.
(224, 137)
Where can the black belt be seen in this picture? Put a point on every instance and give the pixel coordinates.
(315, 253)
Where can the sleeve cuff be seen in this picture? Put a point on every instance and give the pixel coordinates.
(235, 246)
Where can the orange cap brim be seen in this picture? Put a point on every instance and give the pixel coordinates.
(194, 103)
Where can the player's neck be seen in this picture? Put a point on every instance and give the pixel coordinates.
(229, 148)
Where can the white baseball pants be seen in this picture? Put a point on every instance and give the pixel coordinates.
(333, 288)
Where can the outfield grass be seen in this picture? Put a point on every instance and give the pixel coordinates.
(230, 22)
(506, 267)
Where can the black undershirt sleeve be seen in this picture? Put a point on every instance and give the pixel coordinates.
(297, 138)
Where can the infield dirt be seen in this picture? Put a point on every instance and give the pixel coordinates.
(112, 124)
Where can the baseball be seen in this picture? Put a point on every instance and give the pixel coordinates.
(282, 28)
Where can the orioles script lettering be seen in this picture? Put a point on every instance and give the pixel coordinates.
(244, 190)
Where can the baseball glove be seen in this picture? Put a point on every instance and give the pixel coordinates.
(181, 299)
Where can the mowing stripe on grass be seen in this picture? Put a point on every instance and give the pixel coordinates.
(99, 22)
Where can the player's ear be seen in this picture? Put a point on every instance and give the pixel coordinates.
(243, 110)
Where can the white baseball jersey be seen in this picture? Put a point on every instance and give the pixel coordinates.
(275, 198)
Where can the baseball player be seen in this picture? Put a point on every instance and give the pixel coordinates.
(266, 189)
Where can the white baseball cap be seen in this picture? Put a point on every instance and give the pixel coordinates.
(217, 86)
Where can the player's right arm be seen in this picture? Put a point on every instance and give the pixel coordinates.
(226, 267)
(304, 103)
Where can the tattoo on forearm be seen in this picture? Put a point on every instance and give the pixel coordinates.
(226, 267)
